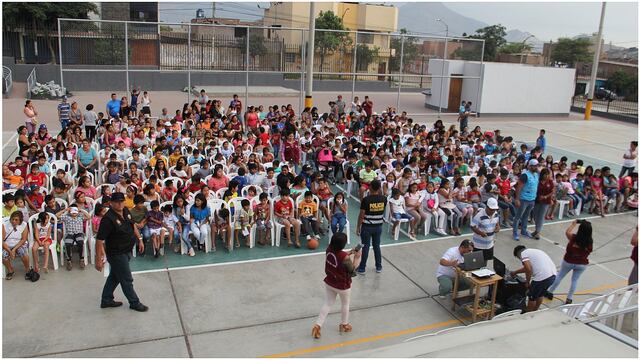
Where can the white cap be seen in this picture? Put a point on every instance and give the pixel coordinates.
(167, 123)
(533, 162)
(74, 210)
(492, 203)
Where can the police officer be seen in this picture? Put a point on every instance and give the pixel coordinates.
(369, 225)
(117, 236)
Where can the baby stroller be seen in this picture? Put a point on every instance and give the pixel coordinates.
(325, 165)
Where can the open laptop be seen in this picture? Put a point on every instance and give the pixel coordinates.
(473, 261)
(499, 267)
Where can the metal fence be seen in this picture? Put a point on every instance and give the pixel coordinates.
(31, 82)
(615, 108)
(7, 80)
(395, 59)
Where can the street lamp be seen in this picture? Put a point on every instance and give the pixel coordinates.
(523, 44)
(444, 57)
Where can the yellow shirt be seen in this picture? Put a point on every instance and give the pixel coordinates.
(128, 203)
(7, 212)
(308, 209)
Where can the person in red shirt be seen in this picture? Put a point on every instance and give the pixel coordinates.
(504, 199)
(36, 177)
(339, 267)
(35, 198)
(19, 164)
(276, 142)
(367, 106)
(576, 257)
(283, 210)
(264, 136)
(252, 120)
(292, 150)
(633, 277)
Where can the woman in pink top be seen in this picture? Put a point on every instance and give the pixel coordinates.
(124, 136)
(218, 180)
(85, 187)
(30, 114)
(596, 187)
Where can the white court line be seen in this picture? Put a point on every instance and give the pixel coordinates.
(321, 253)
(573, 137)
(10, 141)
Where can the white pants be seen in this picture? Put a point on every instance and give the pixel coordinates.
(440, 218)
(200, 232)
(331, 293)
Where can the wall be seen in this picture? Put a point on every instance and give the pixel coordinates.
(435, 68)
(521, 89)
(470, 86)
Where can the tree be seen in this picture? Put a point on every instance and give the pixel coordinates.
(622, 83)
(493, 37)
(365, 56)
(44, 16)
(514, 48)
(411, 50)
(570, 51)
(327, 42)
(256, 45)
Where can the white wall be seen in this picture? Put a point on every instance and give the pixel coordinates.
(435, 68)
(521, 89)
(470, 86)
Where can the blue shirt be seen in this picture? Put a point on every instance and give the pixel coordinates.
(86, 157)
(199, 215)
(541, 142)
(490, 148)
(64, 109)
(113, 107)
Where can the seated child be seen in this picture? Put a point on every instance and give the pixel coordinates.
(262, 213)
(243, 222)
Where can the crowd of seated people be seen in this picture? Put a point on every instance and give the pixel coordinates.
(211, 176)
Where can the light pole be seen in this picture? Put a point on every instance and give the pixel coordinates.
(594, 67)
(444, 57)
(308, 99)
(524, 42)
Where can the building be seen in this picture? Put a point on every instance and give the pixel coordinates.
(131, 11)
(500, 88)
(377, 20)
(524, 58)
(606, 68)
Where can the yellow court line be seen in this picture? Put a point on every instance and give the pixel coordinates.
(610, 286)
(364, 340)
(412, 330)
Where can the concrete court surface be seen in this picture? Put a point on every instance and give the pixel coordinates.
(268, 307)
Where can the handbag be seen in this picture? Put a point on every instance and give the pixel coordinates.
(431, 203)
(34, 121)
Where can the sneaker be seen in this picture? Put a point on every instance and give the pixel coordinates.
(81, 263)
(69, 265)
(192, 252)
(535, 235)
(379, 270)
(162, 251)
(441, 232)
(360, 272)
(140, 307)
(527, 234)
(548, 295)
(111, 304)
(568, 301)
(442, 297)
(516, 237)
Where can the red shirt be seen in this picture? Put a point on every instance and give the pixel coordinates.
(575, 254)
(283, 208)
(337, 275)
(36, 179)
(275, 139)
(545, 188)
(264, 138)
(504, 186)
(252, 120)
(367, 106)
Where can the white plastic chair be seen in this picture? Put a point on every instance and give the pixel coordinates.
(351, 184)
(220, 192)
(52, 248)
(245, 190)
(216, 205)
(391, 220)
(347, 225)
(85, 245)
(237, 205)
(561, 205)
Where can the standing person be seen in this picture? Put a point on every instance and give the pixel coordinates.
(367, 106)
(30, 114)
(113, 106)
(90, 122)
(116, 238)
(203, 98)
(370, 223)
(576, 257)
(355, 104)
(633, 277)
(146, 103)
(544, 199)
(541, 141)
(630, 157)
(446, 274)
(340, 104)
(339, 266)
(485, 226)
(63, 112)
(525, 197)
(540, 272)
(463, 117)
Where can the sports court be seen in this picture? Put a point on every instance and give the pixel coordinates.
(263, 301)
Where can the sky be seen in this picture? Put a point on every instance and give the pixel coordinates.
(546, 20)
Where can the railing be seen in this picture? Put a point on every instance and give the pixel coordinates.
(31, 83)
(7, 76)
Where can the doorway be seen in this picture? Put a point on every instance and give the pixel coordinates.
(455, 93)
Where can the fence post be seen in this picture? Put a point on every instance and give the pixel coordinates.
(354, 68)
(189, 65)
(608, 103)
(126, 53)
(401, 65)
(246, 87)
(302, 72)
(60, 56)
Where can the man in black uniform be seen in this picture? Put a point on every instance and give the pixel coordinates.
(370, 225)
(117, 236)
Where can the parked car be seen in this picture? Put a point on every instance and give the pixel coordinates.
(605, 94)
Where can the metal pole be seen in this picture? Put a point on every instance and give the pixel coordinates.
(354, 70)
(189, 65)
(308, 100)
(59, 56)
(246, 86)
(594, 67)
(480, 82)
(401, 65)
(126, 54)
(302, 64)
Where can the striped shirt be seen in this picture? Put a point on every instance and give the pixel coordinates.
(487, 224)
(64, 109)
(373, 206)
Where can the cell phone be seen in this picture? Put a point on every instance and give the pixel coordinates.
(357, 248)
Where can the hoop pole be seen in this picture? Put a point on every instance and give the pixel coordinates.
(189, 65)
(302, 71)
(126, 54)
(246, 86)
(354, 68)
(60, 56)
(400, 72)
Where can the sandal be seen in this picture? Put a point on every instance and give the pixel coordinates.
(315, 332)
(237, 245)
(345, 328)
(10, 275)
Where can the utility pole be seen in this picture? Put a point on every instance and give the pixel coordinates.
(308, 99)
(594, 67)
(213, 10)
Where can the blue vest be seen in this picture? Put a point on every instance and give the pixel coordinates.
(530, 188)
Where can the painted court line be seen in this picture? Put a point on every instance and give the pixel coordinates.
(321, 253)
(573, 137)
(394, 334)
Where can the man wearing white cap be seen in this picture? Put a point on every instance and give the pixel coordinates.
(485, 226)
(525, 198)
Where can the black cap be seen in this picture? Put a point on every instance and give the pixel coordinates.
(117, 196)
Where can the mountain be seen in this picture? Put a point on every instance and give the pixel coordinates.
(420, 17)
(516, 35)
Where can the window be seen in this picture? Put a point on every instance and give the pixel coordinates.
(365, 38)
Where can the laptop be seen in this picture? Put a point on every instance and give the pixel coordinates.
(473, 261)
(499, 267)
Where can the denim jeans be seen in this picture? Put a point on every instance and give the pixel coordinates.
(539, 210)
(370, 234)
(507, 205)
(565, 267)
(626, 169)
(522, 216)
(338, 222)
(120, 274)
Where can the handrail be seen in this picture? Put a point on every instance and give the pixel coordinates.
(7, 76)
(31, 83)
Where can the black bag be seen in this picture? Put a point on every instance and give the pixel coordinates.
(515, 302)
(32, 275)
